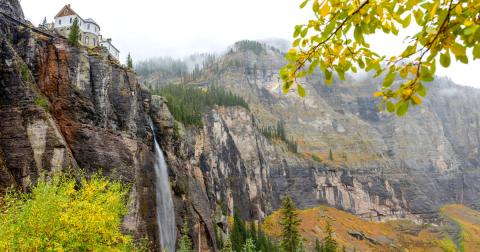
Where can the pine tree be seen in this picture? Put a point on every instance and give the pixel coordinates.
(185, 244)
(318, 245)
(44, 23)
(249, 246)
(227, 246)
(253, 232)
(129, 61)
(290, 223)
(329, 243)
(74, 35)
(301, 246)
(239, 233)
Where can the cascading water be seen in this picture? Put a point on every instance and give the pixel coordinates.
(165, 211)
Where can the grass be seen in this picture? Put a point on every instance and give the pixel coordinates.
(469, 222)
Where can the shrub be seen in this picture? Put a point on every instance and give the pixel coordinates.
(42, 102)
(61, 214)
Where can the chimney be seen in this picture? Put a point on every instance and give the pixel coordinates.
(68, 5)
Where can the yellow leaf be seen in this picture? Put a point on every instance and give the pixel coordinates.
(407, 92)
(416, 100)
(378, 94)
(325, 9)
(468, 22)
(458, 9)
(434, 9)
(379, 11)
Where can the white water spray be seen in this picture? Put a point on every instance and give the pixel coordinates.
(165, 211)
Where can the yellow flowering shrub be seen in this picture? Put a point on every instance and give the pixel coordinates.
(62, 214)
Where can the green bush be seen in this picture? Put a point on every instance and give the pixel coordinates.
(61, 214)
(316, 158)
(187, 103)
(42, 102)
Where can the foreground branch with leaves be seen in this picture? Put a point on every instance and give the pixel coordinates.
(335, 42)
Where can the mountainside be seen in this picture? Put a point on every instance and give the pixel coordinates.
(75, 109)
(381, 167)
(459, 228)
(67, 108)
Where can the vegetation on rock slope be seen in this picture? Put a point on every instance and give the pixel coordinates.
(389, 236)
(62, 214)
(187, 103)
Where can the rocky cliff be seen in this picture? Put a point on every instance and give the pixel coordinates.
(382, 167)
(71, 108)
(66, 108)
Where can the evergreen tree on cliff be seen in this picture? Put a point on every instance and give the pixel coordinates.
(291, 238)
(129, 62)
(185, 244)
(74, 35)
(329, 243)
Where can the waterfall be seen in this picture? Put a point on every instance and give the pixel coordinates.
(165, 211)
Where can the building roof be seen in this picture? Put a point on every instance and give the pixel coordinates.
(89, 20)
(66, 11)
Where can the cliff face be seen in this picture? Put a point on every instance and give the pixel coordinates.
(71, 108)
(383, 167)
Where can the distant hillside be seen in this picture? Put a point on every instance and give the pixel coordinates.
(460, 229)
(383, 166)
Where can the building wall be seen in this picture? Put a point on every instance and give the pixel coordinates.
(85, 26)
(112, 50)
(91, 27)
(90, 39)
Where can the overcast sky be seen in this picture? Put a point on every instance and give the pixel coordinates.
(152, 28)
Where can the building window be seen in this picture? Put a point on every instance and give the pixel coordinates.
(59, 21)
(71, 20)
(88, 26)
(94, 41)
(86, 40)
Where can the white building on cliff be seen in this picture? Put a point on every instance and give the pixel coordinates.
(89, 30)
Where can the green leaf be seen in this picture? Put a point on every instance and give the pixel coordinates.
(328, 77)
(421, 90)
(470, 30)
(358, 34)
(458, 50)
(298, 29)
(303, 4)
(340, 72)
(402, 108)
(390, 107)
(296, 42)
(418, 17)
(316, 6)
(411, 49)
(304, 32)
(476, 52)
(445, 59)
(389, 78)
(301, 90)
(286, 86)
(406, 21)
